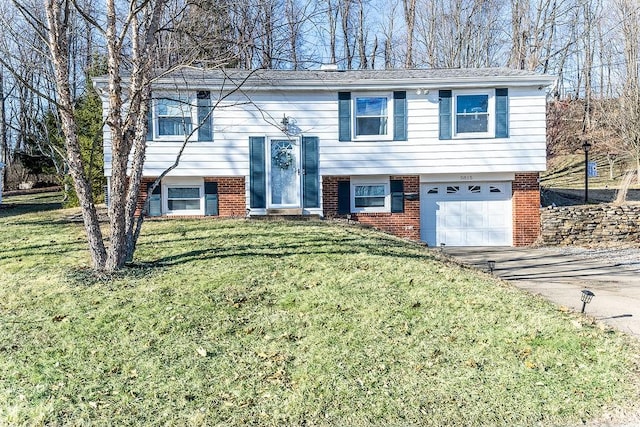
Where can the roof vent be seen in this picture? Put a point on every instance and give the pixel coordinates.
(329, 67)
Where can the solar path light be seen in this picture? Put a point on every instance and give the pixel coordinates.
(492, 266)
(586, 298)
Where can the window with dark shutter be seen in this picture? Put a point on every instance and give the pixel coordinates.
(257, 173)
(344, 197)
(502, 113)
(444, 100)
(211, 198)
(205, 131)
(344, 116)
(155, 200)
(310, 175)
(397, 195)
(400, 116)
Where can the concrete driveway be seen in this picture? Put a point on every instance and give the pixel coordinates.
(561, 273)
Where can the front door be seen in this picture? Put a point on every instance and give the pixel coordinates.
(284, 173)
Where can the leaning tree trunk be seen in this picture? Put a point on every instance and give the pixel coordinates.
(58, 22)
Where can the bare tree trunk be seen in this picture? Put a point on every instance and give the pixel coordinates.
(294, 35)
(57, 20)
(346, 31)
(4, 143)
(519, 31)
(410, 21)
(332, 17)
(362, 38)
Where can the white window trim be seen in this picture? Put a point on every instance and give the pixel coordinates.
(390, 126)
(491, 114)
(373, 180)
(181, 183)
(187, 99)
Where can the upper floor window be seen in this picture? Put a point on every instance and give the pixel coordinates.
(173, 117)
(176, 116)
(371, 116)
(473, 114)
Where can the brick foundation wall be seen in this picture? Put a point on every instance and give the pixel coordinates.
(142, 195)
(231, 195)
(526, 208)
(405, 225)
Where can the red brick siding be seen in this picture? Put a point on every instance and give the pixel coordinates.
(526, 208)
(231, 195)
(142, 195)
(406, 224)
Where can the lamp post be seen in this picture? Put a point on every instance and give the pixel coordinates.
(586, 146)
(586, 298)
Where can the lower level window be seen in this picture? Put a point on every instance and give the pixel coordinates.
(367, 196)
(183, 198)
(370, 197)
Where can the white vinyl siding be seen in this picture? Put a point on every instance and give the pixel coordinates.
(316, 114)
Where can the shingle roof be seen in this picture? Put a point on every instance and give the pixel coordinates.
(319, 79)
(351, 80)
(352, 75)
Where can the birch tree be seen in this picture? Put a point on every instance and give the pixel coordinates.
(129, 36)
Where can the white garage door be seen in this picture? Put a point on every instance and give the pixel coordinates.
(466, 214)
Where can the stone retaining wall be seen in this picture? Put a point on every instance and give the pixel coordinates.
(590, 224)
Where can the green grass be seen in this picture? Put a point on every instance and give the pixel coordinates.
(232, 322)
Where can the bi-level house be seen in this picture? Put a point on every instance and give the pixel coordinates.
(447, 156)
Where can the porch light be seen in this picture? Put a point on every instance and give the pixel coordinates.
(492, 266)
(285, 121)
(586, 298)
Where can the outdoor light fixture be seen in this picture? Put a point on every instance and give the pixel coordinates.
(586, 298)
(442, 245)
(586, 147)
(492, 266)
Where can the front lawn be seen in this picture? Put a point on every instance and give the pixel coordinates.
(233, 322)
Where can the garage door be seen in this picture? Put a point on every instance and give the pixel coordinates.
(466, 214)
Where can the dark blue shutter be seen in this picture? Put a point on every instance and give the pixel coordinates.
(205, 131)
(400, 116)
(211, 198)
(344, 116)
(257, 173)
(397, 195)
(310, 176)
(344, 197)
(445, 114)
(155, 200)
(150, 122)
(502, 113)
